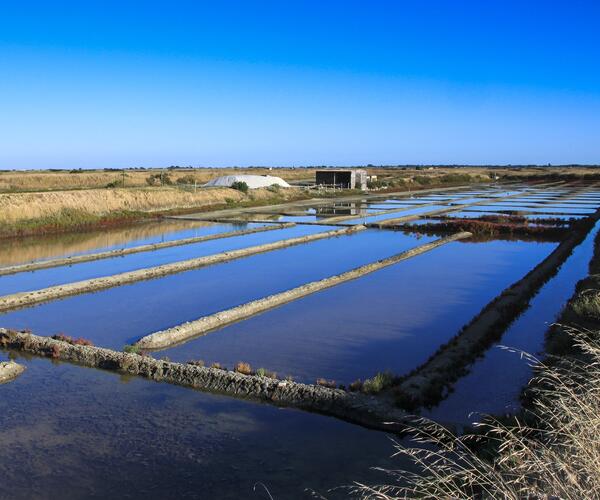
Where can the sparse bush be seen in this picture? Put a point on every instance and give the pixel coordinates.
(186, 179)
(218, 366)
(274, 188)
(377, 383)
(162, 179)
(243, 368)
(115, 184)
(326, 383)
(423, 180)
(240, 186)
(356, 385)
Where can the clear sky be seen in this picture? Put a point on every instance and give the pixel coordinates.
(142, 83)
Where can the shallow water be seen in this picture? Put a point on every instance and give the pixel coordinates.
(495, 381)
(70, 432)
(390, 320)
(42, 278)
(121, 315)
(27, 249)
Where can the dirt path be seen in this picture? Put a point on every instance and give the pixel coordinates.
(186, 331)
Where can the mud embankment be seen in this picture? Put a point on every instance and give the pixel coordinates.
(354, 407)
(427, 384)
(46, 264)
(186, 331)
(26, 299)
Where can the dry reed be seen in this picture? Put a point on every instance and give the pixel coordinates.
(555, 455)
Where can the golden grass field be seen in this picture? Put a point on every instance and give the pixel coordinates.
(35, 202)
(44, 180)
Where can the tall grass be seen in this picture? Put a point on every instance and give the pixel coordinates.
(555, 455)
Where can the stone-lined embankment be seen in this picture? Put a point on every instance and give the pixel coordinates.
(358, 408)
(121, 252)
(25, 299)
(186, 331)
(10, 370)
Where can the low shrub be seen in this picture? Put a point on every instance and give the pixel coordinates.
(198, 362)
(114, 184)
(263, 372)
(377, 383)
(163, 179)
(240, 186)
(355, 386)
(326, 383)
(132, 349)
(186, 179)
(243, 368)
(71, 340)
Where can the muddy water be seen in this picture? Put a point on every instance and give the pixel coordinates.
(494, 382)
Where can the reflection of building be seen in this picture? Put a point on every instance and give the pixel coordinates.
(348, 208)
(342, 178)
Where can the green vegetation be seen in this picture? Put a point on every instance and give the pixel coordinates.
(379, 382)
(240, 186)
(161, 179)
(132, 349)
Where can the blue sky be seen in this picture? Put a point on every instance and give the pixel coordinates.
(132, 83)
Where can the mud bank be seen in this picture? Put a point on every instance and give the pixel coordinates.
(46, 264)
(10, 370)
(427, 384)
(353, 407)
(25, 299)
(186, 331)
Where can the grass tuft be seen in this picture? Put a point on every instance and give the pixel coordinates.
(378, 383)
(587, 304)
